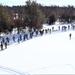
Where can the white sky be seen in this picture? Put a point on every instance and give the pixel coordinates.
(43, 2)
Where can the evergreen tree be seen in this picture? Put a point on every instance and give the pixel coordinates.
(51, 19)
(5, 20)
(34, 17)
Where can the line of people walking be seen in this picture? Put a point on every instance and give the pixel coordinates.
(5, 42)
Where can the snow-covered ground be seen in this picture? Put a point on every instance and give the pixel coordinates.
(47, 54)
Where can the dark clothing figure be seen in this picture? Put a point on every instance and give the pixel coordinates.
(13, 38)
(3, 40)
(5, 45)
(1, 46)
(68, 27)
(20, 37)
(18, 40)
(41, 32)
(25, 37)
(52, 28)
(70, 36)
(59, 27)
(36, 33)
(31, 35)
(50, 31)
(46, 31)
(7, 39)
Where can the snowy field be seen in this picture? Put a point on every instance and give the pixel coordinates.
(48, 54)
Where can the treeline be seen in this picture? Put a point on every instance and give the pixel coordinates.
(33, 15)
(56, 10)
(64, 14)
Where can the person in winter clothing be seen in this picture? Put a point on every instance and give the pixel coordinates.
(5, 45)
(14, 38)
(1, 45)
(70, 36)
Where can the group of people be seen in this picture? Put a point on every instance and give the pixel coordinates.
(3, 42)
(6, 41)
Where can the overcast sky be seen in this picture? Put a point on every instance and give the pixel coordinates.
(43, 2)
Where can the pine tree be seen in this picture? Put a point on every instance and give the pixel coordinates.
(5, 20)
(51, 19)
(34, 17)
